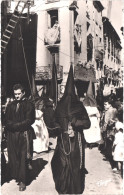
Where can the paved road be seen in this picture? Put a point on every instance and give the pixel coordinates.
(100, 180)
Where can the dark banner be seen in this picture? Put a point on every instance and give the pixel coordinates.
(21, 50)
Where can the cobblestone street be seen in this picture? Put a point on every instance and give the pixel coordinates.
(100, 180)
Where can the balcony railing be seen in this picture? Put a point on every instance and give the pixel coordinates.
(44, 73)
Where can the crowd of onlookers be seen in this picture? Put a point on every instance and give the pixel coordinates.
(111, 125)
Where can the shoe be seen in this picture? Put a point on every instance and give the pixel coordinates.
(22, 186)
(30, 167)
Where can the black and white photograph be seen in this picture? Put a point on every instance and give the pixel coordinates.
(62, 64)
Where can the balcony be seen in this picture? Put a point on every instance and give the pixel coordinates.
(84, 74)
(44, 73)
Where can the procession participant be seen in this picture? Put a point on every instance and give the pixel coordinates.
(68, 160)
(49, 118)
(50, 103)
(41, 143)
(20, 115)
(93, 134)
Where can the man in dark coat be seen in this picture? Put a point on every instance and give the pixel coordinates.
(68, 160)
(20, 115)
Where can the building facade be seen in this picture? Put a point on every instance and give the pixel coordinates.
(70, 32)
(112, 61)
(73, 32)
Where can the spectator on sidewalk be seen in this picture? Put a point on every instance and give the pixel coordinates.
(109, 118)
(119, 107)
(118, 146)
(20, 115)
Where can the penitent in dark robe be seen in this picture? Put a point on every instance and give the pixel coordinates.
(68, 162)
(20, 115)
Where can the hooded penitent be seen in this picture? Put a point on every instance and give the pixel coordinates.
(89, 99)
(49, 102)
(68, 160)
(53, 87)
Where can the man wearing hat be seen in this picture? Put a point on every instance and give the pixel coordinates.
(68, 160)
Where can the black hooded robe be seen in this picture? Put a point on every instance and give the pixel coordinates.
(68, 160)
(18, 122)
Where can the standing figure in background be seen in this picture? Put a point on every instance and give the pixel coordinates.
(93, 134)
(109, 119)
(68, 160)
(100, 101)
(20, 115)
(118, 146)
(41, 143)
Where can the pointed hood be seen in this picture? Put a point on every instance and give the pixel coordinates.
(34, 92)
(89, 99)
(90, 90)
(69, 104)
(70, 86)
(53, 88)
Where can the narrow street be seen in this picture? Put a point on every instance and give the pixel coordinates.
(100, 180)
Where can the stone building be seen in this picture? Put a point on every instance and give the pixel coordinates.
(67, 32)
(112, 56)
(80, 40)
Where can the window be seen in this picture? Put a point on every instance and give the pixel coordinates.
(96, 40)
(52, 35)
(52, 17)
